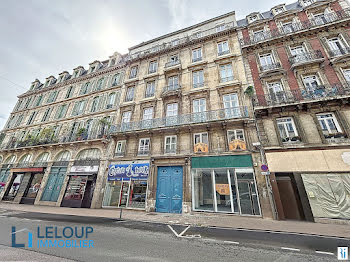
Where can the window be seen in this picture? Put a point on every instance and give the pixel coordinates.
(120, 148)
(150, 89)
(287, 129)
(312, 85)
(337, 46)
(84, 89)
(116, 79)
(170, 144)
(259, 35)
(236, 134)
(69, 92)
(112, 63)
(31, 118)
(231, 105)
(220, 28)
(99, 84)
(297, 50)
(94, 105)
(307, 2)
(39, 100)
(79, 108)
(133, 72)
(144, 146)
(279, 10)
(61, 111)
(226, 73)
(152, 67)
(320, 19)
(276, 92)
(266, 61)
(198, 79)
(346, 73)
(175, 42)
(197, 55)
(130, 94)
(46, 115)
(52, 97)
(147, 113)
(173, 60)
(199, 105)
(201, 143)
(111, 100)
(171, 110)
(19, 120)
(92, 69)
(223, 48)
(18, 105)
(329, 124)
(288, 27)
(173, 83)
(126, 117)
(253, 18)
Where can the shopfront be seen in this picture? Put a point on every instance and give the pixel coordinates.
(126, 185)
(4, 174)
(224, 184)
(80, 187)
(54, 184)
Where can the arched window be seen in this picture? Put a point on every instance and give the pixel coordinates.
(63, 156)
(1, 159)
(25, 159)
(84, 89)
(99, 84)
(89, 154)
(111, 100)
(94, 105)
(10, 159)
(44, 157)
(116, 79)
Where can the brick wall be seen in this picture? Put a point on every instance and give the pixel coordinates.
(257, 83)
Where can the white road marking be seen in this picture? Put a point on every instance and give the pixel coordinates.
(325, 253)
(291, 249)
(176, 234)
(184, 231)
(231, 242)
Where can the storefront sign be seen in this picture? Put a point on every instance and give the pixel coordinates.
(30, 169)
(223, 189)
(84, 169)
(127, 171)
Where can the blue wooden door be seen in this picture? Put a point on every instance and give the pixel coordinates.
(169, 189)
(54, 184)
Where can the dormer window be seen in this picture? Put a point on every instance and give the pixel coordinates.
(279, 10)
(307, 2)
(253, 18)
(92, 69)
(175, 42)
(112, 63)
(47, 83)
(220, 27)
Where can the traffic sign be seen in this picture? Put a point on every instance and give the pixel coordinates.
(264, 168)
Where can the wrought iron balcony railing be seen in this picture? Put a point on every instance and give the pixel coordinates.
(224, 52)
(170, 88)
(298, 26)
(197, 59)
(305, 57)
(185, 119)
(143, 152)
(199, 84)
(172, 63)
(226, 79)
(339, 52)
(321, 92)
(270, 67)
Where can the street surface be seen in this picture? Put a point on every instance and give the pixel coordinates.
(135, 241)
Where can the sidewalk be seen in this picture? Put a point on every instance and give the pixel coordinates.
(196, 219)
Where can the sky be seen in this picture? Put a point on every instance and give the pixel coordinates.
(40, 38)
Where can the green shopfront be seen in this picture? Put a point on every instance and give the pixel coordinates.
(224, 184)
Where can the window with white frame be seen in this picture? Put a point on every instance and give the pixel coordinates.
(126, 117)
(288, 27)
(120, 148)
(116, 79)
(111, 100)
(152, 67)
(223, 48)
(173, 82)
(337, 46)
(226, 73)
(276, 92)
(199, 105)
(39, 100)
(79, 108)
(52, 97)
(70, 91)
(287, 129)
(99, 84)
(253, 18)
(84, 89)
(150, 89)
(172, 109)
(297, 50)
(170, 144)
(130, 94)
(175, 42)
(346, 73)
(174, 59)
(319, 19)
(311, 82)
(198, 78)
(144, 146)
(329, 124)
(94, 104)
(279, 10)
(236, 134)
(307, 2)
(197, 55)
(147, 113)
(133, 72)
(231, 105)
(220, 28)
(259, 35)
(201, 138)
(266, 61)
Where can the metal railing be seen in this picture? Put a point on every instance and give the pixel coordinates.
(185, 119)
(226, 79)
(269, 67)
(305, 57)
(297, 26)
(197, 59)
(321, 92)
(339, 52)
(196, 85)
(173, 63)
(143, 152)
(170, 88)
(224, 52)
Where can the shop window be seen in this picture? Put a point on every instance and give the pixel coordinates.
(201, 143)
(226, 190)
(120, 148)
(236, 140)
(144, 146)
(287, 130)
(76, 188)
(170, 144)
(330, 126)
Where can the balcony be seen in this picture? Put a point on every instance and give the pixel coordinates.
(271, 69)
(226, 79)
(197, 59)
(306, 58)
(340, 55)
(171, 90)
(322, 92)
(297, 27)
(173, 63)
(144, 152)
(197, 85)
(186, 119)
(224, 52)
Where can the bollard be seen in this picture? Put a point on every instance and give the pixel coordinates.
(120, 214)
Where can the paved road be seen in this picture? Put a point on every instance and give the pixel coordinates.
(134, 241)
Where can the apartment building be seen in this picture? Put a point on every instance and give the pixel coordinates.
(168, 127)
(297, 59)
